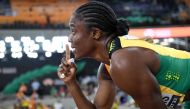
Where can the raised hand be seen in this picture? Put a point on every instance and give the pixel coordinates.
(67, 68)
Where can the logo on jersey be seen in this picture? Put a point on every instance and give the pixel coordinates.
(115, 45)
(172, 76)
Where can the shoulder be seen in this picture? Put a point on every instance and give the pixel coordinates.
(125, 62)
(129, 70)
(135, 59)
(126, 55)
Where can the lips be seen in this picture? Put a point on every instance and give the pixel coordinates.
(73, 50)
(72, 46)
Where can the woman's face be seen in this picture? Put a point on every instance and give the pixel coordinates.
(80, 38)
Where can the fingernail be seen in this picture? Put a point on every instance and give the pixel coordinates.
(72, 60)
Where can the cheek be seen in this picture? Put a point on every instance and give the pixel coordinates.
(80, 39)
(88, 48)
(78, 42)
(83, 46)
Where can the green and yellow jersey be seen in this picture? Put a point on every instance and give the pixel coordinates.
(174, 72)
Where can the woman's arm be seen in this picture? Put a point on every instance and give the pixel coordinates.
(105, 94)
(80, 99)
(106, 90)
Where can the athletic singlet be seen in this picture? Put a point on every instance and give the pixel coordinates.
(174, 72)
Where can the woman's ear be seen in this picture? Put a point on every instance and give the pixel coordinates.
(96, 33)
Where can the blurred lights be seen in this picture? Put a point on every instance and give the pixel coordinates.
(46, 44)
(40, 39)
(31, 47)
(9, 39)
(2, 43)
(26, 50)
(164, 43)
(48, 54)
(171, 40)
(2, 46)
(2, 55)
(17, 55)
(32, 54)
(60, 50)
(2, 49)
(15, 46)
(156, 41)
(16, 49)
(165, 40)
(149, 33)
(25, 39)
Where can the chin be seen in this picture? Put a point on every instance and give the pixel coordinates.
(76, 56)
(79, 56)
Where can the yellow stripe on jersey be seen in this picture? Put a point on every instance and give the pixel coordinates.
(157, 48)
(108, 68)
(167, 90)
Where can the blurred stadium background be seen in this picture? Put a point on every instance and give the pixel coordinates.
(33, 34)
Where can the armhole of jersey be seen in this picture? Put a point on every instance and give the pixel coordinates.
(105, 74)
(107, 68)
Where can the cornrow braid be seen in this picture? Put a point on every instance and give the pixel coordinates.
(100, 15)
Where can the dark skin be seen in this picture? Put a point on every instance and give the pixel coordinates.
(133, 73)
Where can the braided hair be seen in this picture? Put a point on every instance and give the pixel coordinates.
(100, 15)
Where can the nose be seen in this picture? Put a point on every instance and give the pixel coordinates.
(69, 38)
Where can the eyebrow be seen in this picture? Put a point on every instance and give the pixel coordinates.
(71, 24)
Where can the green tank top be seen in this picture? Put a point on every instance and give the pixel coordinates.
(174, 72)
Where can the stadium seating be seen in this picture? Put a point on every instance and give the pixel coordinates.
(41, 11)
(50, 13)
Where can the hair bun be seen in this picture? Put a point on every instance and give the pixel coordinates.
(122, 27)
